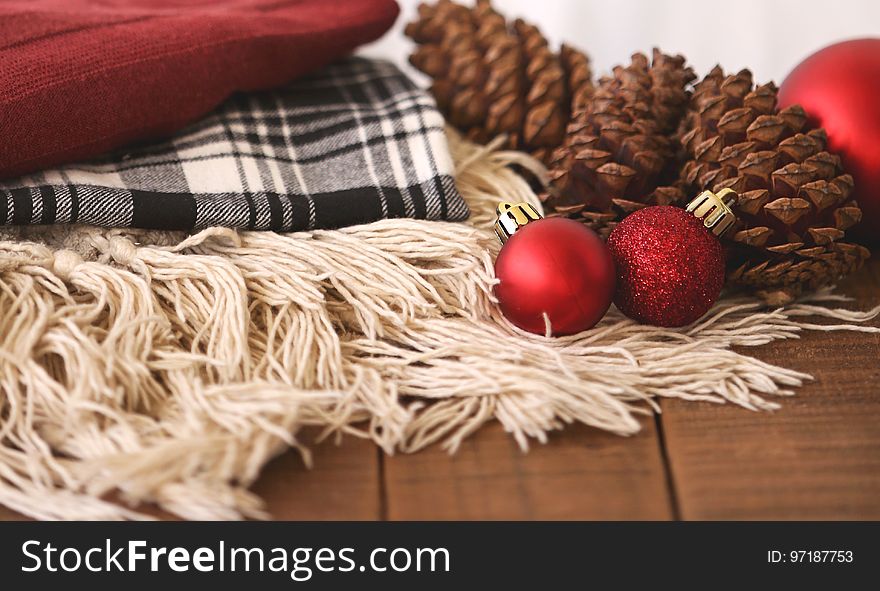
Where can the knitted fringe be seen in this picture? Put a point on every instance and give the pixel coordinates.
(144, 367)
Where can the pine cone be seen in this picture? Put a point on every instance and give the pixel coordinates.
(619, 155)
(491, 78)
(795, 201)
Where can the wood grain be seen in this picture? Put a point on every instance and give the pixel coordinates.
(816, 458)
(582, 473)
(343, 485)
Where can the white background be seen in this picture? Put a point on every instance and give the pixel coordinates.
(767, 36)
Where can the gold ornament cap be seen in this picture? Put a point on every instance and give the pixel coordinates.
(714, 209)
(512, 217)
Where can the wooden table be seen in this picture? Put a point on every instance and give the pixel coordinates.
(816, 458)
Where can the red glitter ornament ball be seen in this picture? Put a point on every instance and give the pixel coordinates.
(839, 88)
(670, 269)
(557, 267)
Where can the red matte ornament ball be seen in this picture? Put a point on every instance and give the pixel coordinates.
(557, 267)
(670, 268)
(839, 89)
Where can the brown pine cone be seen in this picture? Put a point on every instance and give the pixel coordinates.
(491, 78)
(795, 201)
(619, 155)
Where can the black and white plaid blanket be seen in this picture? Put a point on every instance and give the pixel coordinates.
(354, 143)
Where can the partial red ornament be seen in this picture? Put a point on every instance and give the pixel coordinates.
(554, 266)
(839, 88)
(669, 261)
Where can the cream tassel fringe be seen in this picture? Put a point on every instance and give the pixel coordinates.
(152, 367)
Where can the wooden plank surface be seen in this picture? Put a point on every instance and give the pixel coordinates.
(344, 483)
(580, 473)
(816, 458)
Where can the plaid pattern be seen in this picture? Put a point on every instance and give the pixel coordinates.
(354, 143)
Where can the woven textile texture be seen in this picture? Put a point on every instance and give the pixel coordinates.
(81, 77)
(354, 142)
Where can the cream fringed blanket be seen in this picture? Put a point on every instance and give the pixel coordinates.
(169, 369)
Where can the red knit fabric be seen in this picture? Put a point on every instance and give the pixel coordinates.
(80, 77)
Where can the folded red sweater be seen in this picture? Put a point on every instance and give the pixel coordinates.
(80, 77)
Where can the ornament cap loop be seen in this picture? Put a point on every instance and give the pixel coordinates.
(714, 209)
(512, 217)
